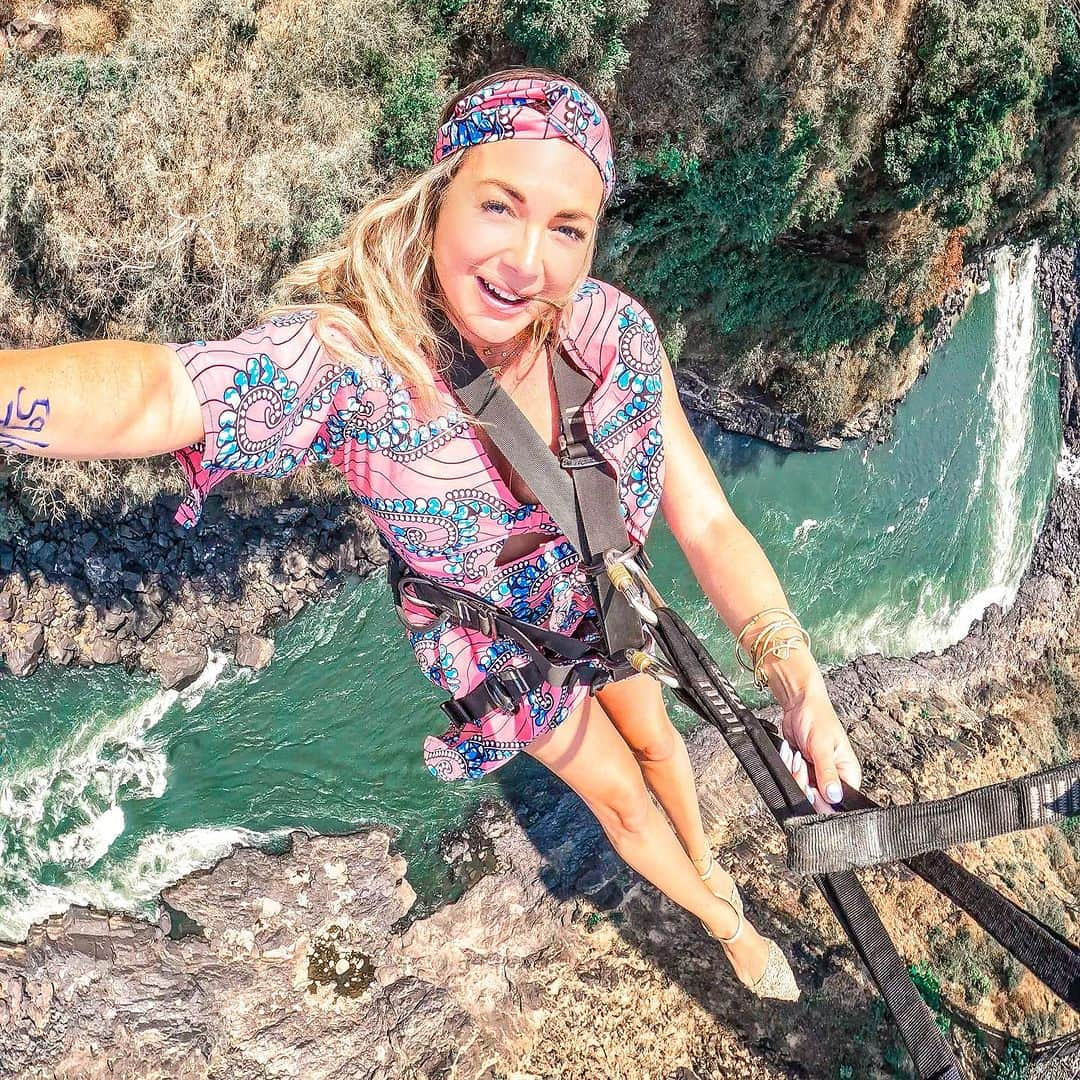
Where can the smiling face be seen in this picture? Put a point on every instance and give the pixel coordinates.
(515, 224)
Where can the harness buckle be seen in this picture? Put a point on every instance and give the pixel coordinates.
(578, 455)
(507, 688)
(475, 618)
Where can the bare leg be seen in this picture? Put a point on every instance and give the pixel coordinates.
(588, 753)
(636, 707)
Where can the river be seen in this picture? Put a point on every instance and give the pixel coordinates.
(111, 789)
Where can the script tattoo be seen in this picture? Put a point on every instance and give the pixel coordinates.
(20, 424)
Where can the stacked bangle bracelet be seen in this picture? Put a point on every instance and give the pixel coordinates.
(769, 642)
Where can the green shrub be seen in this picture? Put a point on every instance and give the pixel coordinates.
(410, 114)
(982, 65)
(584, 38)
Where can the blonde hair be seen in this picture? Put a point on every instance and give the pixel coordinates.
(378, 286)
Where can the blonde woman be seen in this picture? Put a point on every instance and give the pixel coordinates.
(494, 240)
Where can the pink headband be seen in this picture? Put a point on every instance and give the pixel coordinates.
(531, 109)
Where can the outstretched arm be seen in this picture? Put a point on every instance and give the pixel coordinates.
(738, 578)
(91, 400)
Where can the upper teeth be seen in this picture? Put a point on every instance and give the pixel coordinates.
(499, 292)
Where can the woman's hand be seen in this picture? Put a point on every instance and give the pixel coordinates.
(816, 737)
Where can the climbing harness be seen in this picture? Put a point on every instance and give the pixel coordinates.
(637, 632)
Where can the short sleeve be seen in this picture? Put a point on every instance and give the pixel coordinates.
(271, 398)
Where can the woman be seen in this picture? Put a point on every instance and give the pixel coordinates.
(495, 240)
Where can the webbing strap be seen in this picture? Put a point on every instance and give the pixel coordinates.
(705, 689)
(478, 614)
(1052, 959)
(597, 505)
(825, 842)
(594, 527)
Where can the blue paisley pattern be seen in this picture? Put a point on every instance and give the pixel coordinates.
(272, 399)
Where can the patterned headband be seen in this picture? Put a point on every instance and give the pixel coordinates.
(530, 108)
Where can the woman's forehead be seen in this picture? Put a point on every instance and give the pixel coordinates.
(543, 170)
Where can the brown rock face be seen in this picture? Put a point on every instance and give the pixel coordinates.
(254, 651)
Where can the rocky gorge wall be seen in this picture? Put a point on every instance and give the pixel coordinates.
(557, 960)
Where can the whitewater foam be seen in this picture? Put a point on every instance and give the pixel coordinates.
(132, 885)
(66, 813)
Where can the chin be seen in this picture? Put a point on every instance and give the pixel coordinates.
(495, 331)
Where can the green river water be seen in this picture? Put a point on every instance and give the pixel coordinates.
(111, 789)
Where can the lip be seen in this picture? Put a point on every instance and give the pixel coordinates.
(498, 305)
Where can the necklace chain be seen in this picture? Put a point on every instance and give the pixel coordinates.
(505, 356)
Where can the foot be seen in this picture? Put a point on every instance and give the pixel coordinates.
(758, 962)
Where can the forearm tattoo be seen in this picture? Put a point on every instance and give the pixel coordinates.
(21, 424)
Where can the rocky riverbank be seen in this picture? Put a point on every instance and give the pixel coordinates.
(145, 593)
(558, 961)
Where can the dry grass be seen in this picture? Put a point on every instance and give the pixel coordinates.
(162, 170)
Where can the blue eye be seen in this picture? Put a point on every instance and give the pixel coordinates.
(571, 231)
(494, 205)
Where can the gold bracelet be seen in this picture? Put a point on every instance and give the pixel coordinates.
(780, 649)
(754, 618)
(763, 643)
(789, 619)
(758, 643)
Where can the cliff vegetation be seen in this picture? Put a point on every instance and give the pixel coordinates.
(800, 185)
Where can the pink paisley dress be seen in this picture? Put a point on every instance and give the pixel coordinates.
(273, 399)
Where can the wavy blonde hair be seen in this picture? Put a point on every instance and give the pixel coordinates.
(377, 288)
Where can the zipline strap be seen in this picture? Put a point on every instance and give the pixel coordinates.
(594, 526)
(705, 689)
(1051, 958)
(826, 842)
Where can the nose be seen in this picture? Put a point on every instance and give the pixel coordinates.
(525, 257)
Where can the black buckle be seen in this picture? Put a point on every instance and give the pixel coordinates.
(455, 712)
(475, 618)
(500, 696)
(516, 677)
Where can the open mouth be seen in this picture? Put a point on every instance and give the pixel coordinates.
(505, 299)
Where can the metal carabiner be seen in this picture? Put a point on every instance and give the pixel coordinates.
(646, 661)
(616, 563)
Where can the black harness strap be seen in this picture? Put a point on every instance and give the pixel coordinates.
(705, 688)
(825, 842)
(594, 525)
(596, 506)
(1052, 959)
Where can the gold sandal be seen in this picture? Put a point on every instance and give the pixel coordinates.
(734, 899)
(777, 980)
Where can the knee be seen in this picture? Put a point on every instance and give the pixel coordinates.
(661, 745)
(624, 809)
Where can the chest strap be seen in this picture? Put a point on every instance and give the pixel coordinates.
(577, 489)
